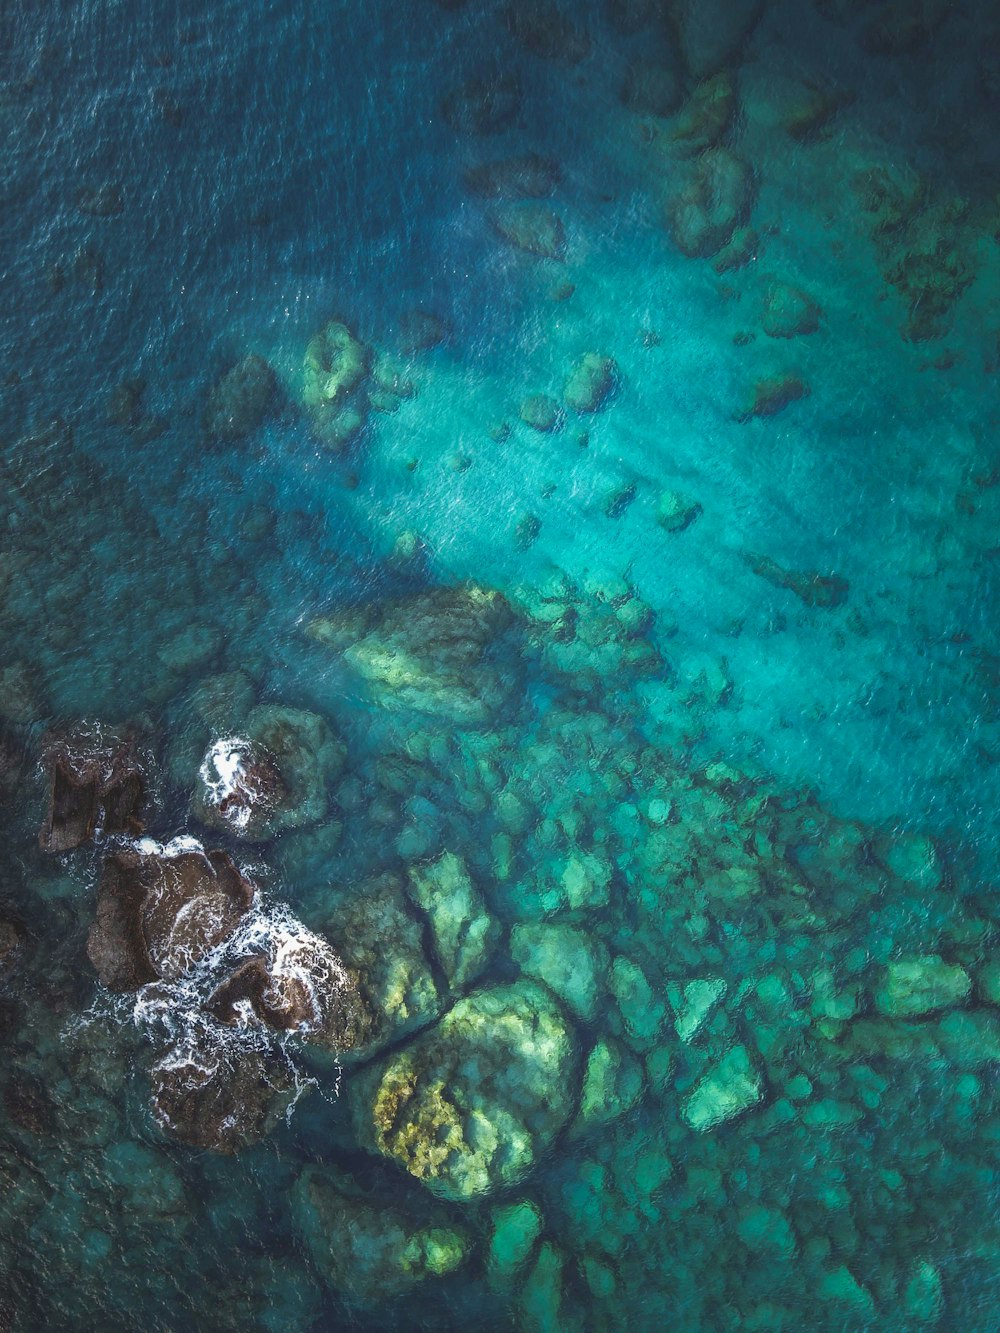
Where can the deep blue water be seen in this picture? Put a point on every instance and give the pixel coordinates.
(706, 775)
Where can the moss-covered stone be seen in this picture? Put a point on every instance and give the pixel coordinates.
(914, 986)
(372, 1251)
(567, 959)
(469, 1107)
(728, 1088)
(465, 934)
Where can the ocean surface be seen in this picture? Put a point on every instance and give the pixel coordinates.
(500, 665)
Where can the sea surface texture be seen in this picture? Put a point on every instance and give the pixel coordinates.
(499, 665)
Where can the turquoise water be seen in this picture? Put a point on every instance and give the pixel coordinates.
(576, 624)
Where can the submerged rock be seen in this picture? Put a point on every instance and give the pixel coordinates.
(900, 27)
(914, 986)
(161, 912)
(439, 652)
(96, 783)
(705, 116)
(789, 311)
(613, 1083)
(713, 32)
(368, 1249)
(523, 176)
(419, 331)
(825, 590)
(729, 1087)
(542, 29)
(100, 201)
(675, 512)
(484, 104)
(240, 401)
(470, 1106)
(773, 394)
(566, 959)
(590, 383)
(534, 228)
(379, 937)
(465, 934)
(336, 366)
(653, 88)
(270, 778)
(714, 202)
(541, 413)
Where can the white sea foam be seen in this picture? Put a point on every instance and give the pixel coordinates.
(223, 772)
(172, 1013)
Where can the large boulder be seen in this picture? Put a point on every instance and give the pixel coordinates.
(366, 1248)
(271, 777)
(439, 652)
(911, 987)
(470, 1106)
(464, 933)
(220, 1098)
(380, 939)
(160, 912)
(296, 984)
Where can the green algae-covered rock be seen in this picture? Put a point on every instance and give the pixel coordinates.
(765, 1230)
(240, 401)
(569, 961)
(913, 986)
(612, 1085)
(716, 199)
(542, 1295)
(923, 1297)
(437, 652)
(840, 1287)
(915, 860)
(469, 1107)
(515, 1228)
(381, 940)
(590, 383)
(642, 1011)
(336, 366)
(713, 32)
(370, 1250)
(695, 1004)
(728, 1088)
(465, 935)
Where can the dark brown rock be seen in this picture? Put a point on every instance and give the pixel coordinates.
(158, 914)
(220, 1100)
(94, 784)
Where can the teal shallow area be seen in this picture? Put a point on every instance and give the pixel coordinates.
(498, 576)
